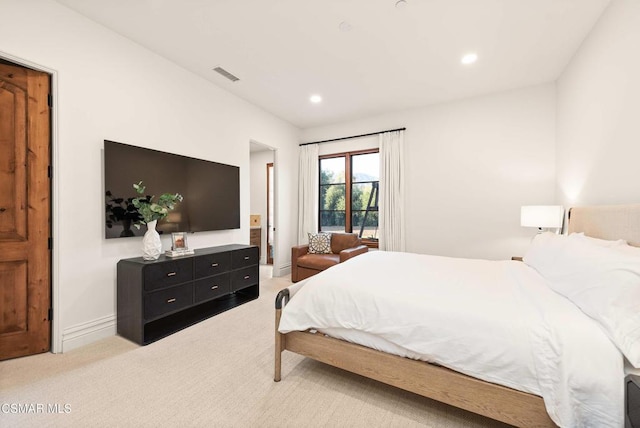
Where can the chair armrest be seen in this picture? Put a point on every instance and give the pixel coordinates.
(352, 252)
(299, 251)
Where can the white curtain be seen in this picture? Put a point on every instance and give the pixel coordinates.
(391, 205)
(308, 183)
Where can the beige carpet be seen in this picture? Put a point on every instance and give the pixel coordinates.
(216, 373)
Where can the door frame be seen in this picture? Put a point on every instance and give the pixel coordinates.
(276, 256)
(56, 327)
(270, 208)
(277, 212)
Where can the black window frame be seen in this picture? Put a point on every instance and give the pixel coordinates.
(348, 156)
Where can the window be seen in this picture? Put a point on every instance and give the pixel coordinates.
(350, 205)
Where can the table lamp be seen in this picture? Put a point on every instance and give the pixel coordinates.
(543, 217)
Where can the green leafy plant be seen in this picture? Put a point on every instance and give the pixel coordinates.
(150, 210)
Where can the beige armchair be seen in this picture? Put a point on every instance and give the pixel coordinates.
(343, 247)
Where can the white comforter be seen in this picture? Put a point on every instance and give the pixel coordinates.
(493, 320)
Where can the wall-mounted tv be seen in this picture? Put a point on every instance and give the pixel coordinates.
(211, 190)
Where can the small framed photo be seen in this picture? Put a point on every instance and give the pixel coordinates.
(179, 241)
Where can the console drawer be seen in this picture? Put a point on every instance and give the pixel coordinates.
(244, 278)
(247, 257)
(212, 264)
(160, 275)
(210, 288)
(169, 300)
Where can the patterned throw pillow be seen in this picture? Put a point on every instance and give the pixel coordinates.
(320, 243)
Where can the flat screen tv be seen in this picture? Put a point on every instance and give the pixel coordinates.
(211, 190)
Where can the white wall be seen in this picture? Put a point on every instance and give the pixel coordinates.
(470, 166)
(110, 88)
(599, 111)
(259, 161)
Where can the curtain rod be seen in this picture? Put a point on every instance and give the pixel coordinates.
(353, 136)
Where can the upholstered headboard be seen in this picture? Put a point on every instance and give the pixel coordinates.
(607, 222)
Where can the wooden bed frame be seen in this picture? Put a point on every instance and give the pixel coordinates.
(439, 383)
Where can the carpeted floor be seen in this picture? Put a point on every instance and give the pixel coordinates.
(218, 373)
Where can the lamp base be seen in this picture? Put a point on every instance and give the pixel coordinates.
(556, 230)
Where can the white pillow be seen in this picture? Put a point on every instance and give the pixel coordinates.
(602, 280)
(544, 253)
(597, 241)
(548, 251)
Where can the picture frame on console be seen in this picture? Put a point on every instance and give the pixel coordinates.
(179, 241)
(179, 245)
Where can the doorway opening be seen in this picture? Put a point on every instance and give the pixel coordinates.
(263, 202)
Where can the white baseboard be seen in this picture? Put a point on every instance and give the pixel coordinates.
(88, 332)
(282, 270)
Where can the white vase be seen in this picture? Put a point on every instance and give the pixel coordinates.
(151, 244)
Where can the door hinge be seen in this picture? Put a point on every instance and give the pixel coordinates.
(49, 171)
(50, 243)
(50, 314)
(50, 100)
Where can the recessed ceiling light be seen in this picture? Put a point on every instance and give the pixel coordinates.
(315, 99)
(401, 4)
(469, 58)
(345, 26)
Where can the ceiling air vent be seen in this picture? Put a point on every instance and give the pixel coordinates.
(226, 74)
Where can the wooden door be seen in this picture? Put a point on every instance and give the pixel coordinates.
(25, 195)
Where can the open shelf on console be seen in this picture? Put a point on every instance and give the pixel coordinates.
(165, 326)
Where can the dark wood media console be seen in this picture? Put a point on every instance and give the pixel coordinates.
(157, 298)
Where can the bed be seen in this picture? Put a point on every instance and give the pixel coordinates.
(546, 360)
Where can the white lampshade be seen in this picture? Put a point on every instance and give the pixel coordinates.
(542, 216)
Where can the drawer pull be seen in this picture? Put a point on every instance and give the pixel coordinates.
(171, 300)
(246, 257)
(171, 274)
(214, 264)
(247, 277)
(214, 287)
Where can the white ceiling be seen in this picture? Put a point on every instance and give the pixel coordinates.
(285, 50)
